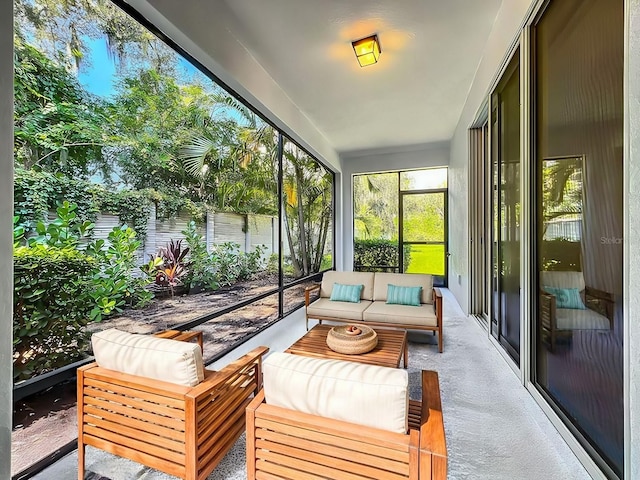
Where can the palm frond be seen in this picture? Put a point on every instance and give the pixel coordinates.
(194, 155)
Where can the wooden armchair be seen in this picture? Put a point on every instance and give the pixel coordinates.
(557, 321)
(293, 445)
(181, 430)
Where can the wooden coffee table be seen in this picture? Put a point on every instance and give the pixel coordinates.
(392, 346)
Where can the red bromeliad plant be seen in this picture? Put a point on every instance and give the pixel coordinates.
(169, 265)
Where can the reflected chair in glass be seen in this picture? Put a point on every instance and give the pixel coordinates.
(593, 311)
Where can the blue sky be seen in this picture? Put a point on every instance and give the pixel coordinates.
(99, 78)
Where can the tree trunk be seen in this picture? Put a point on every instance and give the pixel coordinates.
(294, 260)
(301, 223)
(322, 238)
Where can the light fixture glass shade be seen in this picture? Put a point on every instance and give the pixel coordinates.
(367, 50)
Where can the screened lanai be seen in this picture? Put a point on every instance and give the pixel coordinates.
(528, 106)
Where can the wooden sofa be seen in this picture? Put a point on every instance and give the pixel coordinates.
(373, 308)
(179, 429)
(286, 443)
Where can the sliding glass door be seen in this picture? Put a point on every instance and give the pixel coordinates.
(505, 175)
(423, 233)
(578, 289)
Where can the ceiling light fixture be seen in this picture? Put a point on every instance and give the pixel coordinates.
(367, 50)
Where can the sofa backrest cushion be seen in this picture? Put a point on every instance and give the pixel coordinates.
(349, 391)
(562, 279)
(347, 278)
(147, 356)
(382, 281)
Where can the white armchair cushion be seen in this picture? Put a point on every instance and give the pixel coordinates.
(352, 392)
(147, 356)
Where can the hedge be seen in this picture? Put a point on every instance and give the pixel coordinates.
(378, 255)
(48, 329)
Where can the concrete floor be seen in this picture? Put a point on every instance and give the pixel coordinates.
(494, 428)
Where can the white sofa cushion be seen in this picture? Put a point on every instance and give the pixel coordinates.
(382, 281)
(347, 278)
(352, 392)
(147, 356)
(401, 314)
(323, 307)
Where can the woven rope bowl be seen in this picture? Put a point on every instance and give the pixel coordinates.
(340, 340)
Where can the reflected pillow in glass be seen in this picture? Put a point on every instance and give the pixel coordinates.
(566, 297)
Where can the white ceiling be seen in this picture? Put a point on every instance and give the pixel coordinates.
(414, 95)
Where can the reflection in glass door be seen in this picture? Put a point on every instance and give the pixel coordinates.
(578, 289)
(423, 233)
(505, 164)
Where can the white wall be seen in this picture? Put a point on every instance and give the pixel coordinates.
(6, 234)
(423, 156)
(632, 242)
(507, 26)
(212, 43)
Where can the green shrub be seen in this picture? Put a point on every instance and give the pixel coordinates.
(234, 265)
(251, 262)
(378, 255)
(327, 262)
(203, 271)
(114, 284)
(48, 328)
(272, 264)
(62, 284)
(67, 230)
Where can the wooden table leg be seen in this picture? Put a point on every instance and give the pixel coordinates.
(406, 352)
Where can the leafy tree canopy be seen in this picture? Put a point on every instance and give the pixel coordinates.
(58, 125)
(62, 29)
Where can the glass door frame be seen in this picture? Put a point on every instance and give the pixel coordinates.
(445, 242)
(479, 221)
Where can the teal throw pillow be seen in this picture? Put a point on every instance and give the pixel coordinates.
(404, 295)
(346, 293)
(567, 297)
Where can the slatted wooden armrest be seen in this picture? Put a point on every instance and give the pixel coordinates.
(433, 445)
(307, 293)
(437, 307)
(183, 336)
(601, 301)
(242, 366)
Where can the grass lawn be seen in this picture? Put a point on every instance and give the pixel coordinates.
(427, 259)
